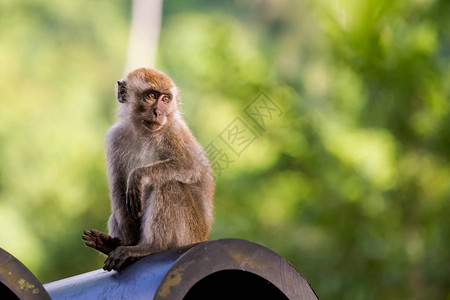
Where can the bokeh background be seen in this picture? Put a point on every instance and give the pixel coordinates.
(351, 183)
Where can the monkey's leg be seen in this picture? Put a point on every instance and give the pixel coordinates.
(153, 222)
(101, 241)
(172, 218)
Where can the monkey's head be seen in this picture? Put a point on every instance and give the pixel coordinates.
(149, 98)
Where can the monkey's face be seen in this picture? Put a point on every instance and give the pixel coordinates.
(150, 98)
(153, 108)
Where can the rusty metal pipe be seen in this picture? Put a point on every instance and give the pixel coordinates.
(226, 268)
(17, 282)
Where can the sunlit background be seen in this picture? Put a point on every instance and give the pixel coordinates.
(349, 180)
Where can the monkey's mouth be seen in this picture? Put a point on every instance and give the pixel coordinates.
(151, 125)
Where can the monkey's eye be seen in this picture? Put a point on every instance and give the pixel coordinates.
(166, 99)
(151, 96)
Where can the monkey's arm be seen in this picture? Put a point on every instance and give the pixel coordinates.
(167, 170)
(122, 224)
(156, 174)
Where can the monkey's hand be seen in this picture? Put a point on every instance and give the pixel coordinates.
(101, 241)
(133, 196)
(118, 258)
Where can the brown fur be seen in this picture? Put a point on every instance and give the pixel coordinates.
(161, 184)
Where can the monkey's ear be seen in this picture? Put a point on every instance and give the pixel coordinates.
(122, 91)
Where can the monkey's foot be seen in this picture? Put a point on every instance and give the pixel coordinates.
(118, 258)
(124, 255)
(100, 241)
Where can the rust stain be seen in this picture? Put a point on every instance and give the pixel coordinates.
(237, 257)
(172, 280)
(25, 285)
(246, 260)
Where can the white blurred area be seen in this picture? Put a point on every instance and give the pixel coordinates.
(144, 34)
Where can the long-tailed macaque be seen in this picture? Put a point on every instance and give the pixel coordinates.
(160, 181)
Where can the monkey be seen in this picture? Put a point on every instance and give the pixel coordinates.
(161, 184)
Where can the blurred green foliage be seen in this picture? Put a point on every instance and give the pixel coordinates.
(350, 184)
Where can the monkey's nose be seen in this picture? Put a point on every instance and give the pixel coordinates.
(155, 112)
